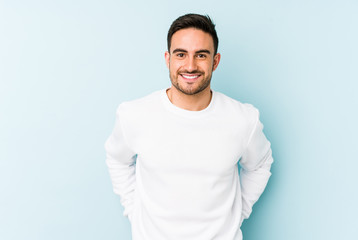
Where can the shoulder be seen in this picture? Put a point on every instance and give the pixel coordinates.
(141, 105)
(237, 108)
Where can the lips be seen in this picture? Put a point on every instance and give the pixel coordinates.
(190, 77)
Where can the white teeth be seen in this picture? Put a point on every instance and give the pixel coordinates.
(190, 76)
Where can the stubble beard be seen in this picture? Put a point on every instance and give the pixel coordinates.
(190, 90)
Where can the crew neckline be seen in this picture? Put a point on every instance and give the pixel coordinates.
(183, 112)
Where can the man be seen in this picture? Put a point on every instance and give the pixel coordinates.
(173, 155)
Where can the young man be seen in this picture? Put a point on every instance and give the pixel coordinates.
(173, 155)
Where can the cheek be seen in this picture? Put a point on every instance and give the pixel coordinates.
(174, 66)
(207, 67)
(172, 71)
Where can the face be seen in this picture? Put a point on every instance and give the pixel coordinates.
(191, 60)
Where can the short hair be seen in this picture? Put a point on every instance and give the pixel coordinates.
(196, 21)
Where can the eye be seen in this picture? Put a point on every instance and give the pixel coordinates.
(201, 56)
(180, 55)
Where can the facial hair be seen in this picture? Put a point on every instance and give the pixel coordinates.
(204, 83)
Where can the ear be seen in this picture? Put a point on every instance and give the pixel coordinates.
(216, 61)
(167, 58)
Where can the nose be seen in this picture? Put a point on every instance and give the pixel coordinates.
(191, 64)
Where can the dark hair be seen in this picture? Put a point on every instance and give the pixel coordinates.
(197, 21)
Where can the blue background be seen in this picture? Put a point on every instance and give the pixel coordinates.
(66, 65)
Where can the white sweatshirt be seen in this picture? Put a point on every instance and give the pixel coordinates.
(176, 170)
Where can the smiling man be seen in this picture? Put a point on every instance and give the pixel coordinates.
(173, 155)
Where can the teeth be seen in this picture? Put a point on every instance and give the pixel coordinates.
(190, 76)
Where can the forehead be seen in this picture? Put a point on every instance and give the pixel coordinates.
(192, 39)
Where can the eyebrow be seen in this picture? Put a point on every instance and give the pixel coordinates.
(183, 50)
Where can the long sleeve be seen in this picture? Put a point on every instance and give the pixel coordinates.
(120, 160)
(255, 168)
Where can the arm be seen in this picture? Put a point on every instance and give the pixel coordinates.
(255, 169)
(120, 160)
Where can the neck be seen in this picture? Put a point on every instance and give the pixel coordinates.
(194, 102)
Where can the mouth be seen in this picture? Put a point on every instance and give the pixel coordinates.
(190, 77)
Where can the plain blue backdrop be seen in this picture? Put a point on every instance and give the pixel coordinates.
(66, 65)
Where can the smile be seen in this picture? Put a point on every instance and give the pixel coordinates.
(190, 77)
